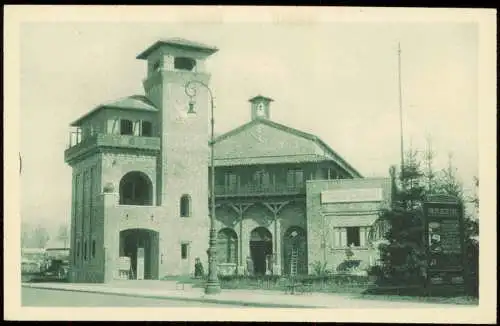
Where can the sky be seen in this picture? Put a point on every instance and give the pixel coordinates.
(337, 80)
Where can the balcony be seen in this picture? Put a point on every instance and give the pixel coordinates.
(259, 190)
(109, 140)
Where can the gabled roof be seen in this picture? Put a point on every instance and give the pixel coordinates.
(134, 102)
(300, 158)
(179, 43)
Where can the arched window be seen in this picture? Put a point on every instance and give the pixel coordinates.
(136, 189)
(227, 246)
(185, 206)
(126, 127)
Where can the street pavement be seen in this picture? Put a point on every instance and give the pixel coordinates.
(31, 297)
(249, 298)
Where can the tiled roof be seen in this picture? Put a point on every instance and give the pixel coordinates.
(178, 42)
(134, 102)
(237, 160)
(269, 160)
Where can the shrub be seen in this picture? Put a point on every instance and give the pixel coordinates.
(320, 268)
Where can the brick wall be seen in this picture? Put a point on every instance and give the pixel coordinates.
(323, 218)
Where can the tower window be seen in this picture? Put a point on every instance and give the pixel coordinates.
(185, 204)
(182, 63)
(136, 189)
(78, 249)
(85, 250)
(156, 66)
(93, 248)
(184, 250)
(147, 129)
(126, 127)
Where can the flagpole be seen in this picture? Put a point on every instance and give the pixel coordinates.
(400, 109)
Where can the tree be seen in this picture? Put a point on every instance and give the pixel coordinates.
(403, 254)
(40, 236)
(429, 173)
(63, 234)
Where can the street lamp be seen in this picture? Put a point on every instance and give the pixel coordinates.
(213, 285)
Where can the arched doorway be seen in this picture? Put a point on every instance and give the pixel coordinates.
(227, 246)
(261, 250)
(295, 242)
(141, 246)
(136, 189)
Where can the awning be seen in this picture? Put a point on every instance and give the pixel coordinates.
(352, 220)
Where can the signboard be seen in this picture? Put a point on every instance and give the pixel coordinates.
(444, 236)
(140, 263)
(124, 263)
(351, 195)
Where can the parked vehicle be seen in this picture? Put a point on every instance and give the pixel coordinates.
(33, 263)
(57, 263)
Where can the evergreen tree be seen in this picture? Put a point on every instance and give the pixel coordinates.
(403, 255)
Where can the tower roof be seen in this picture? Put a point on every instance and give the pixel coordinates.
(178, 43)
(260, 97)
(134, 102)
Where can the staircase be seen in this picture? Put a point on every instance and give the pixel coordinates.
(293, 262)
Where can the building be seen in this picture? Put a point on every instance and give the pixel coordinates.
(140, 164)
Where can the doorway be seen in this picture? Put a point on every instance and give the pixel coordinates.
(261, 250)
(141, 246)
(295, 242)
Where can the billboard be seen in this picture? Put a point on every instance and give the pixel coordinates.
(444, 238)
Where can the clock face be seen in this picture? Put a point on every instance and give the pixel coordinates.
(260, 109)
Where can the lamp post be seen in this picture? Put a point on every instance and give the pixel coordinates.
(213, 285)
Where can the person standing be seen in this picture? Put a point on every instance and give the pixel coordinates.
(198, 268)
(249, 266)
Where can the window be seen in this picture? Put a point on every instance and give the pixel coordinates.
(147, 129)
(126, 127)
(330, 174)
(353, 236)
(184, 250)
(78, 249)
(295, 178)
(93, 248)
(231, 181)
(136, 189)
(185, 206)
(261, 179)
(156, 66)
(184, 63)
(85, 250)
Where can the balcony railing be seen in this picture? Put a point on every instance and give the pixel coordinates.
(258, 190)
(110, 140)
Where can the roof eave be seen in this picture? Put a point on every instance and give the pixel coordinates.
(205, 49)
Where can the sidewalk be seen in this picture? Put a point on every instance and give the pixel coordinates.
(255, 298)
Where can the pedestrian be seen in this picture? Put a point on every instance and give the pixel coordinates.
(198, 268)
(249, 266)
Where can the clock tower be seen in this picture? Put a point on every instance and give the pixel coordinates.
(182, 165)
(260, 107)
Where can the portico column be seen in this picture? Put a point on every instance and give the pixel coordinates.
(277, 246)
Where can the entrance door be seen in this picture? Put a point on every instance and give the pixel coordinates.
(141, 246)
(261, 248)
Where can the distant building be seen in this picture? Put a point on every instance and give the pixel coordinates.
(140, 164)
